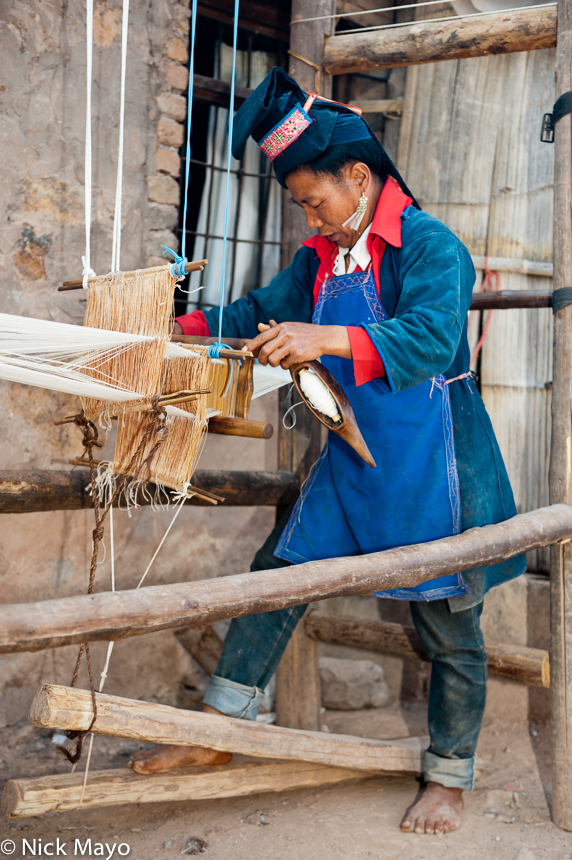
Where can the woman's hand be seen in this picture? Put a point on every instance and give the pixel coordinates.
(175, 327)
(289, 343)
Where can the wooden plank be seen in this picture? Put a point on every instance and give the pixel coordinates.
(561, 449)
(70, 709)
(122, 614)
(530, 666)
(298, 693)
(23, 798)
(429, 42)
(390, 106)
(33, 490)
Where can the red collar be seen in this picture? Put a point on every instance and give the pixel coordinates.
(385, 228)
(386, 220)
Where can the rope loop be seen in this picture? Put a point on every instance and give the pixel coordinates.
(214, 351)
(178, 270)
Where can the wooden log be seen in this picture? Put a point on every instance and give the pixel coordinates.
(298, 693)
(225, 426)
(560, 478)
(122, 614)
(512, 299)
(32, 490)
(67, 708)
(433, 41)
(530, 666)
(394, 107)
(23, 798)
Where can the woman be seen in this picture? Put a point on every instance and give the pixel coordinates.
(380, 294)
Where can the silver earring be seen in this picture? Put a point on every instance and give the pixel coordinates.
(355, 220)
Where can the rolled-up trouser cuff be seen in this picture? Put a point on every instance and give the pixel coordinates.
(232, 699)
(450, 772)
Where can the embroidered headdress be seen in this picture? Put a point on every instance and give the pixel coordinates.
(292, 127)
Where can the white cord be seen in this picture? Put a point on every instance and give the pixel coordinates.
(397, 8)
(116, 249)
(86, 259)
(171, 524)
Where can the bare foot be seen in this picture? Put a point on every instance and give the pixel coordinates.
(166, 757)
(438, 810)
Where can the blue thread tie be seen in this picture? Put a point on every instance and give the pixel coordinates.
(214, 352)
(178, 267)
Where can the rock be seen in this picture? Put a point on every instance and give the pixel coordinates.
(257, 817)
(349, 685)
(195, 846)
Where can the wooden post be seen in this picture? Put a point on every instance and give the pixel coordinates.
(561, 450)
(297, 679)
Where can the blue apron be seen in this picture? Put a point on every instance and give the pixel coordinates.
(347, 508)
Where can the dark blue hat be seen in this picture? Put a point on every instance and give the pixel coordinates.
(292, 129)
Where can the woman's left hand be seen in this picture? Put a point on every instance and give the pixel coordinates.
(289, 343)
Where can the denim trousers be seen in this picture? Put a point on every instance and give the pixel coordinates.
(453, 641)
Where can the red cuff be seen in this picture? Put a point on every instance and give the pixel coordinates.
(367, 363)
(195, 323)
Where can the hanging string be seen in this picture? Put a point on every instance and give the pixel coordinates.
(228, 162)
(87, 271)
(494, 287)
(178, 268)
(116, 248)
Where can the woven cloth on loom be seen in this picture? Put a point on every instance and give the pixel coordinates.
(139, 302)
(176, 457)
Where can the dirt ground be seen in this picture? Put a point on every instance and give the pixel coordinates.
(507, 816)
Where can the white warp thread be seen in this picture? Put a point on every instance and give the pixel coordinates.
(116, 248)
(318, 394)
(86, 259)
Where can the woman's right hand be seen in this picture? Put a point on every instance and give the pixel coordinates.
(175, 327)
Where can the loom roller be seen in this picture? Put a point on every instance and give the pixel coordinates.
(326, 399)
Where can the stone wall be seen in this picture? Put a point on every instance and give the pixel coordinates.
(42, 122)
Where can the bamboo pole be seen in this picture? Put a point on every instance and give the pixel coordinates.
(530, 666)
(445, 39)
(70, 709)
(561, 448)
(122, 614)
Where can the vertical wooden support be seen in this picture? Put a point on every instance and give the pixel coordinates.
(298, 698)
(297, 680)
(561, 451)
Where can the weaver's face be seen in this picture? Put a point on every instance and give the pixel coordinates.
(327, 201)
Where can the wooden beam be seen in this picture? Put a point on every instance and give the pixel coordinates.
(512, 299)
(560, 477)
(23, 798)
(122, 614)
(214, 92)
(32, 490)
(268, 19)
(70, 709)
(530, 666)
(429, 42)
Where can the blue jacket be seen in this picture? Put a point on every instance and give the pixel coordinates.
(426, 289)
